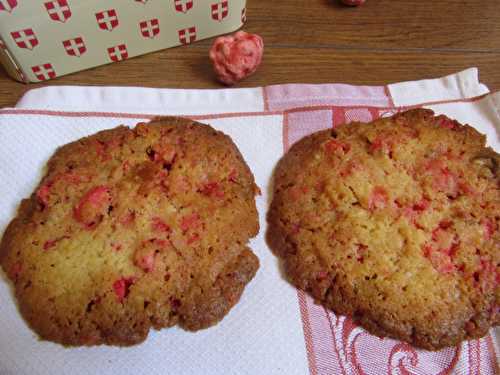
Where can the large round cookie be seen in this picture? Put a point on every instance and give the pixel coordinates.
(396, 224)
(132, 229)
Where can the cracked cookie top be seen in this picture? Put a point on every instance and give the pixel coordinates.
(132, 229)
(396, 224)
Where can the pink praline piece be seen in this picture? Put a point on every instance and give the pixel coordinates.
(235, 57)
(353, 3)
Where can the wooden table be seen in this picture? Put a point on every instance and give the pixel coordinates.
(317, 41)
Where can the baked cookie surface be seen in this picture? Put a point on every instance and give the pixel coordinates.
(395, 224)
(132, 229)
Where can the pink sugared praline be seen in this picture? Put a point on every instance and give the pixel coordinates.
(353, 3)
(235, 57)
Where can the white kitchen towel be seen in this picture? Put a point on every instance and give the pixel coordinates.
(273, 329)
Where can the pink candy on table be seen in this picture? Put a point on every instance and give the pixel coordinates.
(354, 3)
(235, 57)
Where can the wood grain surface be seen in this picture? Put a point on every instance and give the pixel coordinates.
(318, 41)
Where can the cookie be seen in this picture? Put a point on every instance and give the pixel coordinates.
(395, 224)
(132, 229)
